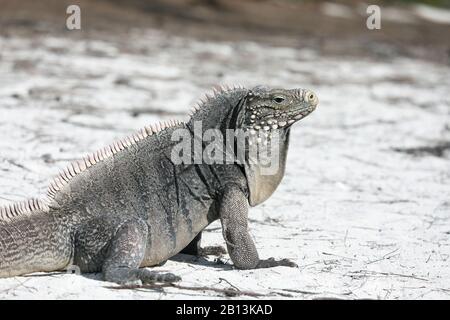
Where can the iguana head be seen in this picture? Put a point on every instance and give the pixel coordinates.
(268, 116)
(270, 109)
(259, 108)
(265, 115)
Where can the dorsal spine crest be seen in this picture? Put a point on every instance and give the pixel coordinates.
(18, 209)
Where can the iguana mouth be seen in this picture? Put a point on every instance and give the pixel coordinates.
(288, 118)
(301, 113)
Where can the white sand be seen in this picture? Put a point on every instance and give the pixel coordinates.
(360, 219)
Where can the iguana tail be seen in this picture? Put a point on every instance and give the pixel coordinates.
(31, 240)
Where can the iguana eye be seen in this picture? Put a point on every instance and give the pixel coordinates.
(278, 99)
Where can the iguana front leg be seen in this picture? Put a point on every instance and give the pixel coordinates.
(194, 248)
(127, 250)
(242, 250)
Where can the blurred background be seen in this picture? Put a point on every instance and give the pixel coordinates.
(409, 27)
(364, 206)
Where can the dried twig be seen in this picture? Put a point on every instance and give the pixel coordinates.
(374, 273)
(317, 293)
(233, 286)
(228, 292)
(386, 256)
(339, 256)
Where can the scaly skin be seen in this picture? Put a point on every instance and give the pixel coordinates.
(129, 206)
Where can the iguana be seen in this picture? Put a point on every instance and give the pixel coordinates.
(129, 206)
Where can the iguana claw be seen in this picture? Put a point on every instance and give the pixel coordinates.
(271, 262)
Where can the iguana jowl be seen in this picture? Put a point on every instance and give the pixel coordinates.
(129, 206)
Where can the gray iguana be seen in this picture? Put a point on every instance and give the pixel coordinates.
(128, 206)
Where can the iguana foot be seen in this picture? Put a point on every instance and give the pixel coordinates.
(194, 248)
(126, 254)
(212, 251)
(148, 276)
(271, 262)
(141, 276)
